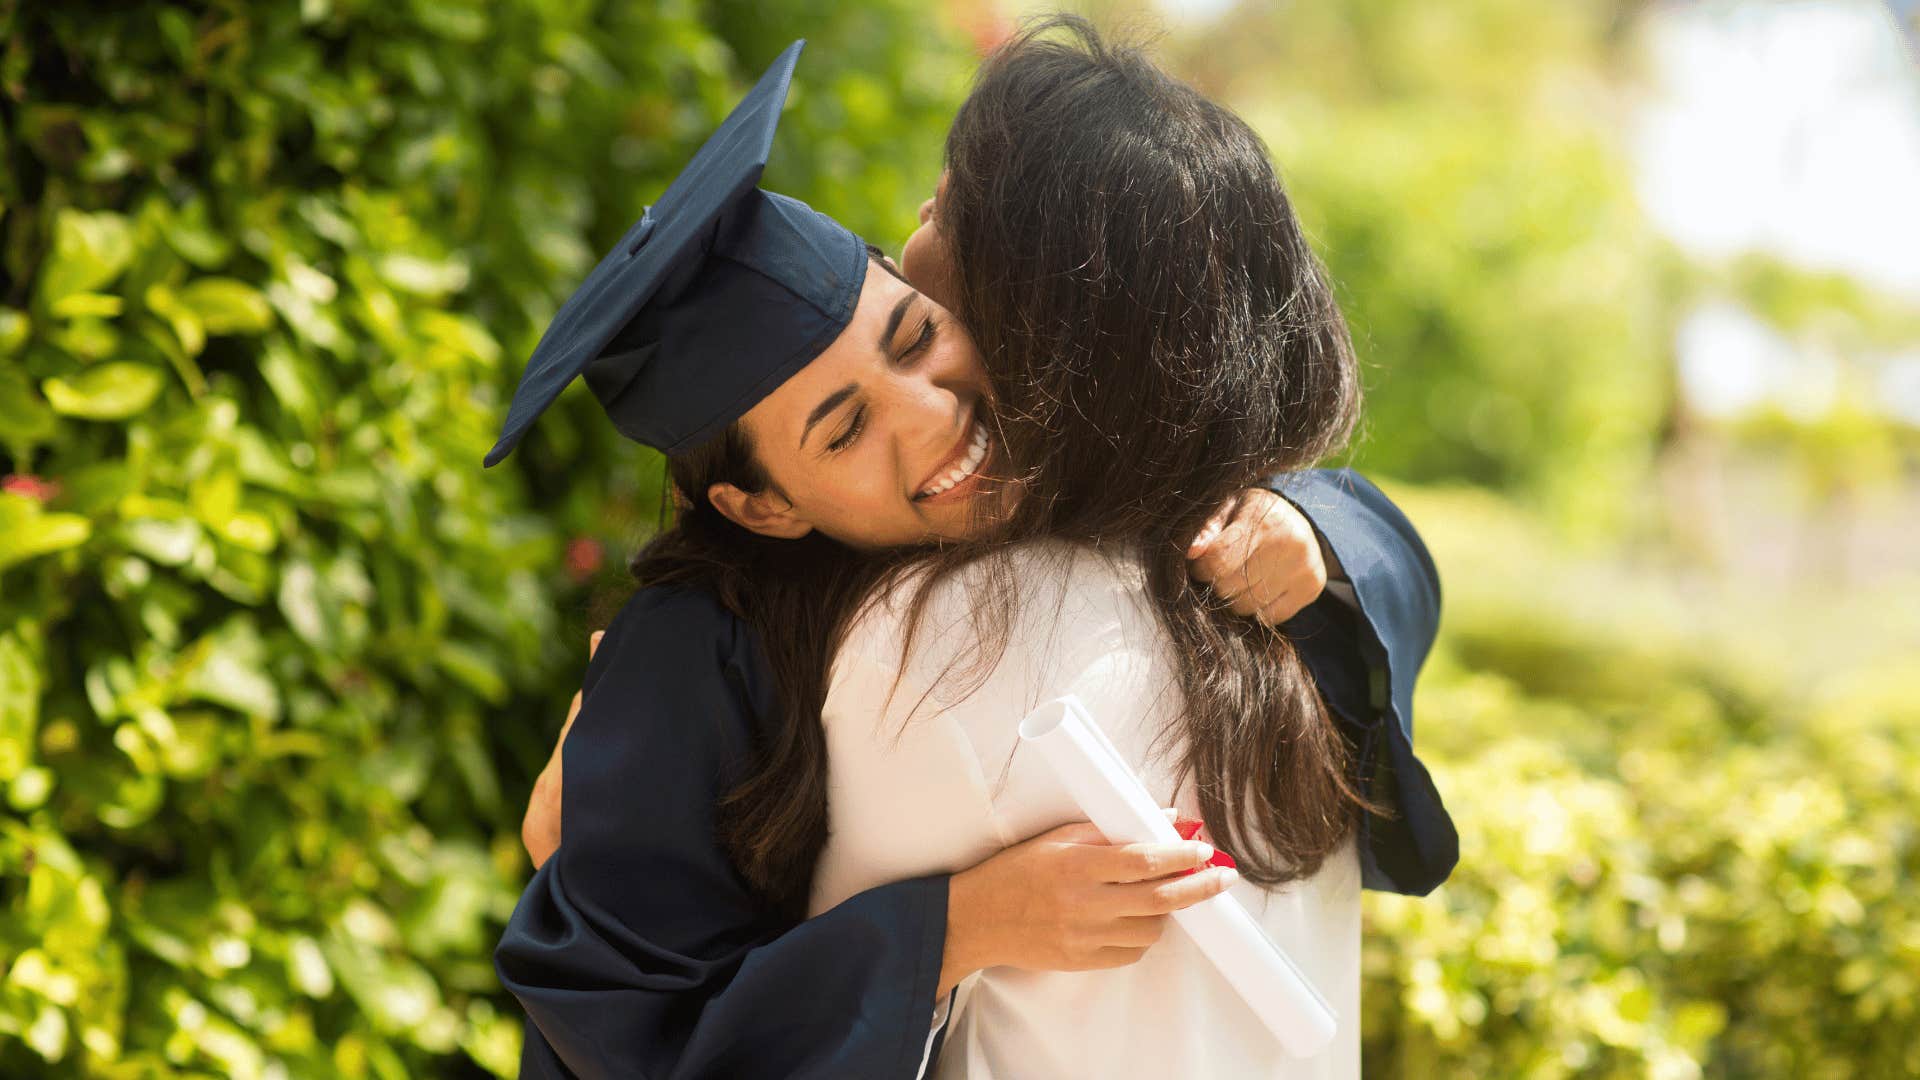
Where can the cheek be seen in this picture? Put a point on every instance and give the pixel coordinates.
(849, 498)
(925, 262)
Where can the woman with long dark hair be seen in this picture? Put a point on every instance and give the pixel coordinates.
(641, 921)
(1159, 336)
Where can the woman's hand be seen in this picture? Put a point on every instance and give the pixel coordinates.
(540, 829)
(1066, 900)
(1261, 555)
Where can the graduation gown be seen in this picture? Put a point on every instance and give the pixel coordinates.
(1365, 661)
(637, 951)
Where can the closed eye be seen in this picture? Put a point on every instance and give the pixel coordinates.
(846, 438)
(921, 341)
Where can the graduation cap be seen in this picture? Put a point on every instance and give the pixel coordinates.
(716, 296)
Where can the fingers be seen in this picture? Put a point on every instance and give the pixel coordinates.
(1146, 862)
(1264, 563)
(1226, 556)
(1211, 530)
(1150, 898)
(1252, 603)
(1138, 932)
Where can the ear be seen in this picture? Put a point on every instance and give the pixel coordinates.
(767, 513)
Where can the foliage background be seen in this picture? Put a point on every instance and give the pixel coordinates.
(278, 661)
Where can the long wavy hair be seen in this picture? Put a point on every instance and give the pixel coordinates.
(1159, 336)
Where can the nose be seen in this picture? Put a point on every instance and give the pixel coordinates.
(927, 407)
(926, 211)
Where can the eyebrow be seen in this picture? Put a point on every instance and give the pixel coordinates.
(826, 407)
(839, 397)
(893, 321)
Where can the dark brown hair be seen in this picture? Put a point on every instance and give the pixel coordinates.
(798, 597)
(1160, 336)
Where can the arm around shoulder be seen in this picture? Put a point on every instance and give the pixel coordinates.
(1397, 593)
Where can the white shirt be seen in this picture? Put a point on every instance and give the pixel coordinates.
(926, 775)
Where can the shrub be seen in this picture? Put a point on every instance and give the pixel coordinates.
(1684, 848)
(277, 659)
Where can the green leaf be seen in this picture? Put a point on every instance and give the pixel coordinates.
(300, 603)
(29, 790)
(47, 1035)
(108, 392)
(169, 541)
(25, 418)
(89, 250)
(186, 324)
(86, 337)
(28, 533)
(394, 992)
(15, 327)
(227, 306)
(227, 668)
(478, 671)
(307, 968)
(87, 304)
(424, 277)
(188, 232)
(20, 685)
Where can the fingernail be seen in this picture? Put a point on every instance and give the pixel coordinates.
(1202, 852)
(1228, 876)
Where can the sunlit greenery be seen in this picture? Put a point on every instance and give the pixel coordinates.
(278, 660)
(1686, 828)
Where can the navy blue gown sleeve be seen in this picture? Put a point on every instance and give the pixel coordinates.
(637, 951)
(1366, 667)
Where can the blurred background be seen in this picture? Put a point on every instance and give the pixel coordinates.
(1637, 289)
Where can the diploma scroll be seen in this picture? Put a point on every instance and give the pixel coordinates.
(1119, 806)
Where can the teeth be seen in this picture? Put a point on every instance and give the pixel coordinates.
(976, 453)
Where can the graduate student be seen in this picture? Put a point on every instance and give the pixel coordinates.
(664, 936)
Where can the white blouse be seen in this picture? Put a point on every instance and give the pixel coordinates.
(927, 776)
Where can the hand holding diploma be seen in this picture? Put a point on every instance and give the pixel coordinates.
(1068, 900)
(1116, 802)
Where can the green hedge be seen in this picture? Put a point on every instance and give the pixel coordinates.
(277, 659)
(1688, 836)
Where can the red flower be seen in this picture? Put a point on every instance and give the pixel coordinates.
(583, 558)
(31, 486)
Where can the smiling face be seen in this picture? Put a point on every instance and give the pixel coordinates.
(882, 439)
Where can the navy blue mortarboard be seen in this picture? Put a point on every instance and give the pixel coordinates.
(716, 296)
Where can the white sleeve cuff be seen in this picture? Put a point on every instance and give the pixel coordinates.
(933, 1032)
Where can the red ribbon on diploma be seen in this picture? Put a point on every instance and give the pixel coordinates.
(1189, 829)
